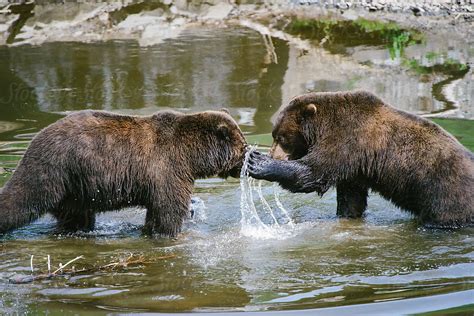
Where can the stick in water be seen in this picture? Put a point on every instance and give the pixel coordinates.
(49, 264)
(61, 266)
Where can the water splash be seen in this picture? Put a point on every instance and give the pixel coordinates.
(265, 204)
(251, 223)
(276, 195)
(198, 210)
(250, 219)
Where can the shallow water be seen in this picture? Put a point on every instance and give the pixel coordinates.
(318, 262)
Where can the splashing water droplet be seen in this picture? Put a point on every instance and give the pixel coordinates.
(265, 204)
(251, 223)
(280, 206)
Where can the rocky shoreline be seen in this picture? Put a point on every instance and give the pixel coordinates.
(150, 22)
(418, 8)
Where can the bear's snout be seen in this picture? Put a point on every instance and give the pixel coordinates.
(276, 152)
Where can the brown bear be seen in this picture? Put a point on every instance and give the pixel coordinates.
(356, 142)
(94, 161)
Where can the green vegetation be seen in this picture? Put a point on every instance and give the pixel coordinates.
(338, 35)
(449, 67)
(393, 34)
(316, 27)
(463, 130)
(10, 155)
(461, 310)
(431, 56)
(351, 83)
(374, 26)
(261, 139)
(4, 178)
(399, 42)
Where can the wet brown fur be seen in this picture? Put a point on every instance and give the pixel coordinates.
(356, 142)
(93, 161)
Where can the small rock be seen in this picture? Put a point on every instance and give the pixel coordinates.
(395, 8)
(379, 6)
(468, 18)
(2, 170)
(342, 6)
(372, 8)
(219, 11)
(417, 11)
(174, 9)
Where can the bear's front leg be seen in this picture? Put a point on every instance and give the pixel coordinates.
(73, 219)
(165, 219)
(292, 175)
(351, 199)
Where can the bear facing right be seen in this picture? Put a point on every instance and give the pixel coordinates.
(356, 142)
(94, 161)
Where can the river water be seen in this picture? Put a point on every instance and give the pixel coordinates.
(384, 261)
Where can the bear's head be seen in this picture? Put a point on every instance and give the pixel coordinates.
(214, 142)
(313, 118)
(291, 136)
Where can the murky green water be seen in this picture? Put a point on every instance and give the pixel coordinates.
(384, 261)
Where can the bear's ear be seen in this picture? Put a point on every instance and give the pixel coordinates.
(310, 110)
(225, 110)
(223, 132)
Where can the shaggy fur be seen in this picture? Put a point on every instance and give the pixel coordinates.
(93, 161)
(356, 142)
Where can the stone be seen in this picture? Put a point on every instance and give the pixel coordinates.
(417, 11)
(157, 33)
(342, 6)
(373, 8)
(219, 11)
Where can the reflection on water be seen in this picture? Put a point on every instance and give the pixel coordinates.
(320, 262)
(421, 73)
(180, 74)
(340, 36)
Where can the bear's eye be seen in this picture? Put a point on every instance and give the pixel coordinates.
(281, 139)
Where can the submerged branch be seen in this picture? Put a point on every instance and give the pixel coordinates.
(131, 260)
